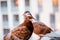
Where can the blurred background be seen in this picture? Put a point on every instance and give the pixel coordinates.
(11, 13)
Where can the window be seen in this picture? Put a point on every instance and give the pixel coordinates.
(3, 3)
(6, 31)
(55, 5)
(39, 5)
(37, 17)
(52, 20)
(4, 6)
(16, 20)
(5, 20)
(27, 5)
(13, 2)
(14, 5)
(27, 2)
(16, 2)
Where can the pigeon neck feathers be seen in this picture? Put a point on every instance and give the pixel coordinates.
(26, 21)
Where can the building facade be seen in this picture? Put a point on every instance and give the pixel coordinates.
(11, 13)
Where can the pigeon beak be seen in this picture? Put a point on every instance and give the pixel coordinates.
(33, 18)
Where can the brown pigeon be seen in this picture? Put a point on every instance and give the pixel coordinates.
(39, 27)
(22, 31)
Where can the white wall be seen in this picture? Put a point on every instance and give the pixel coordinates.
(47, 9)
(1, 26)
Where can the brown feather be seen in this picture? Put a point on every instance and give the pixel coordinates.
(39, 27)
(23, 31)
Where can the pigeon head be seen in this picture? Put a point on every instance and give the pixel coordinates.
(27, 14)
